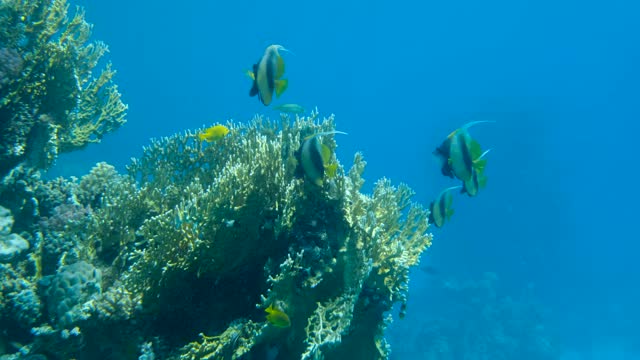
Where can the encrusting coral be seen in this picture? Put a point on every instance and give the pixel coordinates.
(50, 101)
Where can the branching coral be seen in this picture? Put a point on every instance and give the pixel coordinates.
(327, 324)
(236, 341)
(199, 238)
(179, 258)
(56, 104)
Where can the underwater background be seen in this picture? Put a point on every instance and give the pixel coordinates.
(554, 228)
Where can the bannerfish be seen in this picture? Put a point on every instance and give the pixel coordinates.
(277, 317)
(290, 108)
(313, 158)
(267, 75)
(441, 209)
(477, 181)
(442, 152)
(213, 133)
(460, 153)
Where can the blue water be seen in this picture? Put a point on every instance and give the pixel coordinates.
(560, 78)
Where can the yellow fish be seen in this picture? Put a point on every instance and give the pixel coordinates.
(213, 133)
(277, 317)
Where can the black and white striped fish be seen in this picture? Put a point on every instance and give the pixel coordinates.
(267, 75)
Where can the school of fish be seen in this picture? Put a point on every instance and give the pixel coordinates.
(462, 158)
(460, 155)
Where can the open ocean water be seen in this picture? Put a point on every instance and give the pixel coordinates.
(546, 256)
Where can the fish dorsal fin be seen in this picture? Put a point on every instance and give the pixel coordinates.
(445, 191)
(325, 133)
(466, 126)
(282, 48)
(279, 67)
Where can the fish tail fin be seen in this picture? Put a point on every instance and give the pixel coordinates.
(250, 74)
(479, 165)
(279, 67)
(326, 154)
(281, 86)
(270, 309)
(202, 137)
(449, 214)
(482, 181)
(331, 170)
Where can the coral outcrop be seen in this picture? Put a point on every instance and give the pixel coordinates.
(179, 258)
(52, 98)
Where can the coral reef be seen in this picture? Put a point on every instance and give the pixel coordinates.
(11, 245)
(50, 101)
(179, 258)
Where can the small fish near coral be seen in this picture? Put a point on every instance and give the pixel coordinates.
(290, 108)
(440, 210)
(314, 157)
(267, 75)
(460, 154)
(213, 133)
(277, 317)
